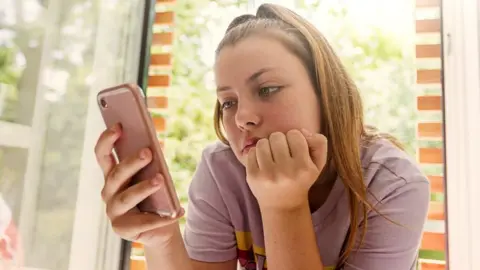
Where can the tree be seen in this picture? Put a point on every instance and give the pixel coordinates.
(380, 62)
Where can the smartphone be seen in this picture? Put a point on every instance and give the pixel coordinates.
(126, 104)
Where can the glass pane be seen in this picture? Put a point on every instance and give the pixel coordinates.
(54, 55)
(20, 58)
(13, 165)
(12, 169)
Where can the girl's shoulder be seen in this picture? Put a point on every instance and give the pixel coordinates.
(219, 167)
(387, 168)
(219, 156)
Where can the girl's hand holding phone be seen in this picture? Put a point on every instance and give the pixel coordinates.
(121, 199)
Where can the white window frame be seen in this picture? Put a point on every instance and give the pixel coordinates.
(36, 138)
(461, 33)
(15, 135)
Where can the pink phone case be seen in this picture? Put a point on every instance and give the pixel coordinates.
(125, 104)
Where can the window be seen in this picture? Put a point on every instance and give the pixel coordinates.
(54, 57)
(392, 50)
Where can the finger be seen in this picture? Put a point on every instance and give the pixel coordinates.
(298, 145)
(122, 173)
(132, 225)
(318, 147)
(104, 148)
(279, 148)
(252, 163)
(128, 199)
(264, 155)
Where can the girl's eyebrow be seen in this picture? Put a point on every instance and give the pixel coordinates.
(249, 80)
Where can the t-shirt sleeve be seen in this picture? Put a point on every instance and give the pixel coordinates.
(390, 246)
(209, 235)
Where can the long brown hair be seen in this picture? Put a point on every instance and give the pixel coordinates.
(340, 102)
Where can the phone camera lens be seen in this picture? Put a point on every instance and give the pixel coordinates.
(103, 103)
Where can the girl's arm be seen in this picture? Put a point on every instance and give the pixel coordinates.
(175, 256)
(290, 240)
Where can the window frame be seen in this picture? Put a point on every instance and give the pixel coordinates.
(15, 135)
(461, 97)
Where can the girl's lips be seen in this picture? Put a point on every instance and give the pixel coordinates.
(247, 148)
(249, 143)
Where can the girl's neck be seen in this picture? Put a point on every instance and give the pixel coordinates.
(320, 190)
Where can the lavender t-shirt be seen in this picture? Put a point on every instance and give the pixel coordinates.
(224, 221)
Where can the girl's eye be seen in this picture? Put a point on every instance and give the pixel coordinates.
(266, 91)
(227, 104)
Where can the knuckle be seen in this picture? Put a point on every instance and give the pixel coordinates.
(98, 154)
(113, 175)
(123, 199)
(103, 194)
(262, 143)
(322, 138)
(117, 228)
(96, 150)
(294, 134)
(117, 173)
(277, 135)
(110, 211)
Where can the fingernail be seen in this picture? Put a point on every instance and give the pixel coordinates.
(115, 128)
(154, 182)
(144, 154)
(157, 180)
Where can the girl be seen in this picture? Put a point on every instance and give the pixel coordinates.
(297, 180)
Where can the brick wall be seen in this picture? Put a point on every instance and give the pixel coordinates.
(430, 127)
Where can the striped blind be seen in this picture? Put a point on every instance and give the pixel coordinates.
(430, 127)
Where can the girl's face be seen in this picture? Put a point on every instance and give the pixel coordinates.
(263, 88)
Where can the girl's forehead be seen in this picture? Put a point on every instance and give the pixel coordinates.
(252, 54)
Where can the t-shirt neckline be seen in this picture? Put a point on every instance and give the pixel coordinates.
(319, 216)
